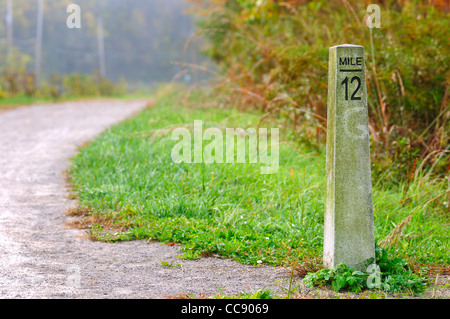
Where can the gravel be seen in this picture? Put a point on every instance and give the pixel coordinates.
(42, 257)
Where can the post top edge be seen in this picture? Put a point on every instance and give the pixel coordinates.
(347, 46)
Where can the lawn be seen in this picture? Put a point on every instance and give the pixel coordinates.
(129, 188)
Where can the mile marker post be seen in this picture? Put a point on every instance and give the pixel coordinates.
(349, 234)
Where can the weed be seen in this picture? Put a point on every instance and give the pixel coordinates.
(170, 264)
(259, 294)
(394, 276)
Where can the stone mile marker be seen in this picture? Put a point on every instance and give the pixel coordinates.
(349, 233)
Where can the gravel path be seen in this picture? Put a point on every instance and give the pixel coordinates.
(41, 257)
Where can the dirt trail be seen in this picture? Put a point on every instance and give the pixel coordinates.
(41, 257)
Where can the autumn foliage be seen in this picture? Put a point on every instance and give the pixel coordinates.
(274, 57)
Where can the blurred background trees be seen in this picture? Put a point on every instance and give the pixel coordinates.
(143, 41)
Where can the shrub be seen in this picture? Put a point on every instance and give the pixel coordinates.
(274, 57)
(394, 276)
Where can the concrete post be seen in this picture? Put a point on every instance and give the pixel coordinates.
(349, 234)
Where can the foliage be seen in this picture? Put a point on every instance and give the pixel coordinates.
(21, 83)
(16, 80)
(87, 85)
(339, 277)
(144, 42)
(274, 57)
(394, 276)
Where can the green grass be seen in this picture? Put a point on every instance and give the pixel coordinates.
(128, 181)
(24, 100)
(20, 100)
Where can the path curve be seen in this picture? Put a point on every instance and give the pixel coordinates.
(41, 257)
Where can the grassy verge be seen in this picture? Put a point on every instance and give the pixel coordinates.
(23, 100)
(129, 188)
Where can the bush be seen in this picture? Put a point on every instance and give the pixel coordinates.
(17, 81)
(394, 276)
(274, 57)
(22, 83)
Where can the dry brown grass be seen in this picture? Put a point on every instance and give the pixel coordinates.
(83, 218)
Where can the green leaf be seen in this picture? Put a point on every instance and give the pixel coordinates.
(358, 273)
(351, 280)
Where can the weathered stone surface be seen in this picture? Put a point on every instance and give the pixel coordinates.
(349, 234)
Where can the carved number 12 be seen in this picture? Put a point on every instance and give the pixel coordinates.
(353, 97)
